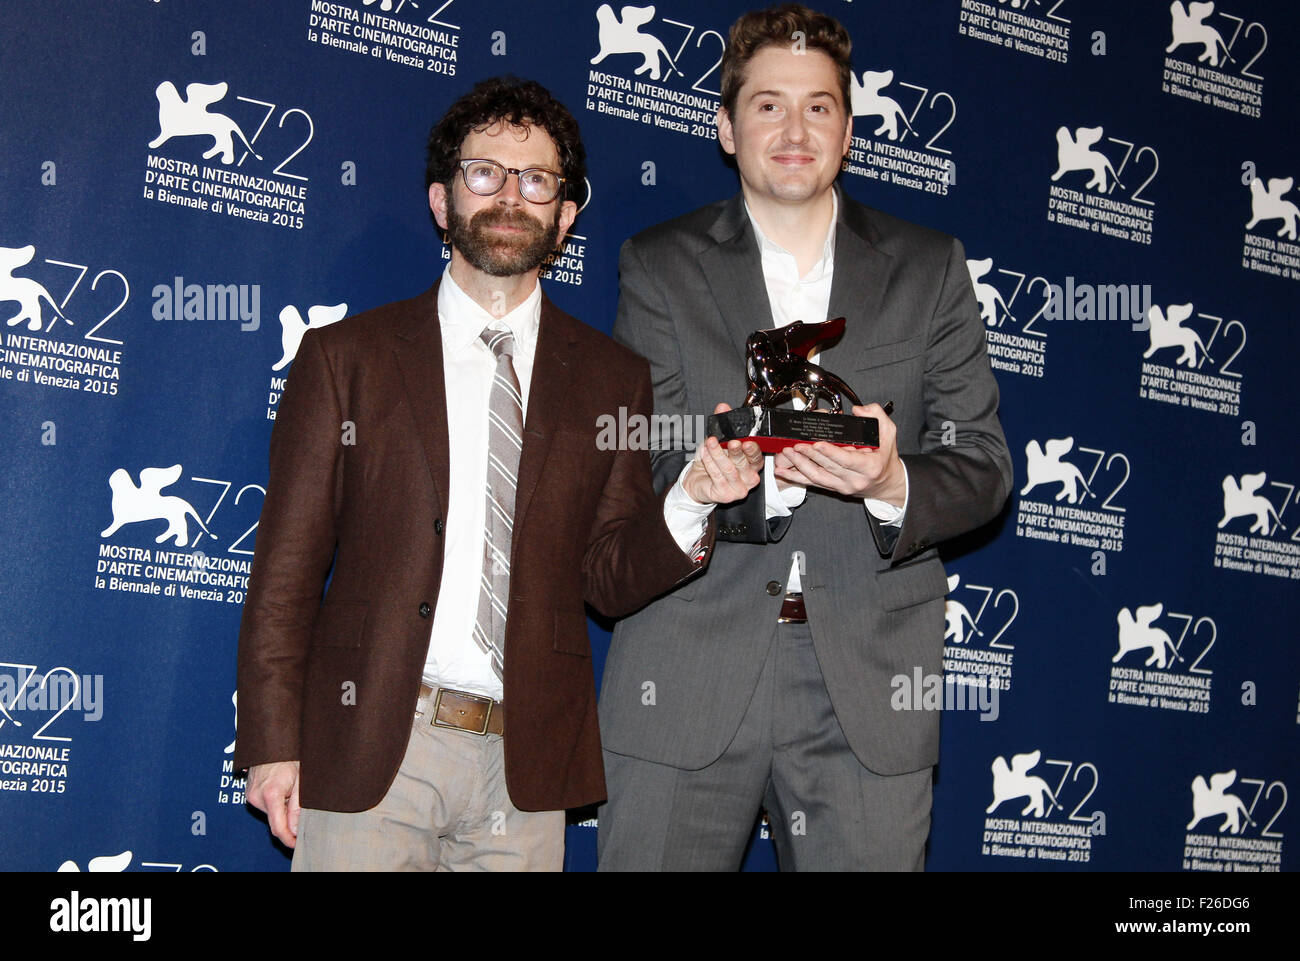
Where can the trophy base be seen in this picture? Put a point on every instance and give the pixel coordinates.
(776, 428)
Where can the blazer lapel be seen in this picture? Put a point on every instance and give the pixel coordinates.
(418, 352)
(734, 272)
(858, 286)
(553, 368)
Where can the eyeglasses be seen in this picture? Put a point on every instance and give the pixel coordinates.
(486, 177)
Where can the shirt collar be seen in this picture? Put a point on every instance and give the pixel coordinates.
(462, 320)
(768, 246)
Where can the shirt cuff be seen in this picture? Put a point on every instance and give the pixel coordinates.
(887, 513)
(686, 519)
(779, 502)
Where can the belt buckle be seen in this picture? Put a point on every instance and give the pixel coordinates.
(487, 715)
(792, 597)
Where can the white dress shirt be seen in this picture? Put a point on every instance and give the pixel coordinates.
(468, 368)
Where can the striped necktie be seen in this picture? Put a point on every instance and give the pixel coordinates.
(505, 442)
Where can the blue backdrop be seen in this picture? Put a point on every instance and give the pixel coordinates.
(163, 245)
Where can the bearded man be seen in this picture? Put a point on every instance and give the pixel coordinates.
(436, 463)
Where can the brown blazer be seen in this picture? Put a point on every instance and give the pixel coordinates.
(357, 495)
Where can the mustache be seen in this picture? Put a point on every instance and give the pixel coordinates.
(506, 217)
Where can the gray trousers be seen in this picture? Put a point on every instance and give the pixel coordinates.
(827, 812)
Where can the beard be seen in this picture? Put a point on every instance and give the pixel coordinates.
(495, 254)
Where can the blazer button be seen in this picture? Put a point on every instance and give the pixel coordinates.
(774, 588)
(437, 526)
(425, 609)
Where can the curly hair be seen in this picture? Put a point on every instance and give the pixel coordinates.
(514, 101)
(776, 26)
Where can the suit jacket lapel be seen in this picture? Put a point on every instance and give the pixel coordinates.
(734, 271)
(554, 363)
(858, 286)
(418, 351)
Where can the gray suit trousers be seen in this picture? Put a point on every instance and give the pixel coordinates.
(826, 811)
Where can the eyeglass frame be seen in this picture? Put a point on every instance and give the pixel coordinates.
(464, 176)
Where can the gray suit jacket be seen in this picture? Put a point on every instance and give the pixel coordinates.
(691, 291)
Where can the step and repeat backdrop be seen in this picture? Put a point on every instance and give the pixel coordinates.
(189, 186)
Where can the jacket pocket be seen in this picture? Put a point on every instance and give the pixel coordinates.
(688, 590)
(571, 634)
(893, 353)
(912, 584)
(340, 624)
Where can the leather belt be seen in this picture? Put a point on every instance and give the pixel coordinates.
(792, 610)
(462, 710)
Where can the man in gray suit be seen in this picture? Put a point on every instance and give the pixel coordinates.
(767, 682)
